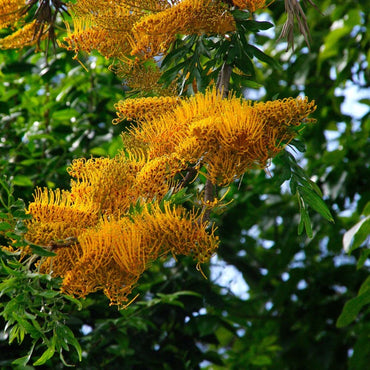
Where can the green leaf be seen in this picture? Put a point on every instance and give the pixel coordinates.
(41, 251)
(255, 26)
(356, 235)
(314, 201)
(353, 306)
(240, 15)
(23, 361)
(259, 54)
(245, 65)
(365, 253)
(73, 300)
(47, 355)
(261, 360)
(305, 220)
(28, 327)
(169, 75)
(67, 335)
(64, 114)
(21, 180)
(298, 144)
(4, 226)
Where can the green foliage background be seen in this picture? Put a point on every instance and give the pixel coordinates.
(53, 112)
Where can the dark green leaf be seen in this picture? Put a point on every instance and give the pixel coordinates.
(41, 251)
(314, 201)
(353, 306)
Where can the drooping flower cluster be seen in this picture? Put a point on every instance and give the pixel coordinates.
(99, 243)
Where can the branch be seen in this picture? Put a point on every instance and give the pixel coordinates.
(223, 80)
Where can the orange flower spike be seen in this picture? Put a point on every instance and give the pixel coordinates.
(56, 217)
(144, 108)
(133, 250)
(182, 231)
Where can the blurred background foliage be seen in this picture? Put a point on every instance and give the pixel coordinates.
(273, 298)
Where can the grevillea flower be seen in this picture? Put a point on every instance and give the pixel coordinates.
(143, 78)
(181, 232)
(144, 108)
(56, 216)
(24, 36)
(106, 26)
(155, 32)
(87, 36)
(96, 269)
(250, 5)
(228, 136)
(106, 183)
(10, 12)
(113, 255)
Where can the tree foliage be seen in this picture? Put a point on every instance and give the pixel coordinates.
(281, 291)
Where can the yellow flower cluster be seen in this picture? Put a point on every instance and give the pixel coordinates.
(99, 243)
(24, 36)
(115, 253)
(142, 28)
(227, 136)
(88, 36)
(112, 224)
(143, 78)
(110, 253)
(57, 217)
(10, 12)
(107, 184)
(250, 5)
(144, 108)
(155, 32)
